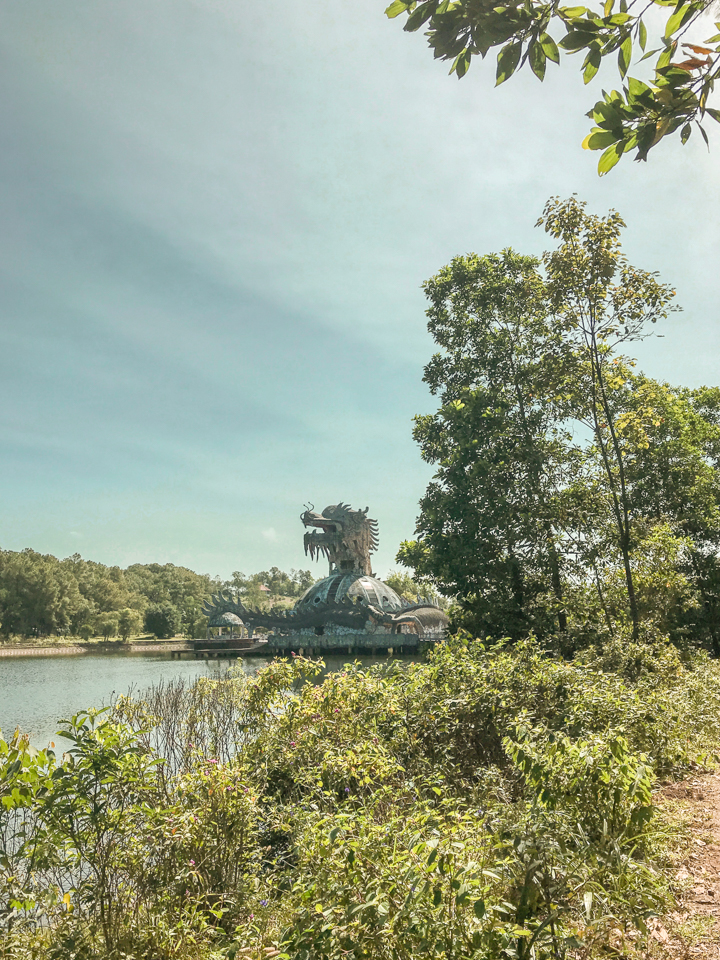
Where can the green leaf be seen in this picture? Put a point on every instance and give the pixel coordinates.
(678, 18)
(685, 133)
(479, 909)
(638, 90)
(611, 156)
(600, 139)
(396, 8)
(591, 64)
(664, 59)
(550, 47)
(536, 56)
(571, 13)
(461, 64)
(507, 61)
(577, 39)
(715, 114)
(418, 17)
(608, 8)
(625, 56)
(642, 35)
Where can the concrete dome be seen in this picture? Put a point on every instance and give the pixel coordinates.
(352, 585)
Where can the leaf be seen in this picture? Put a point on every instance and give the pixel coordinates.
(625, 56)
(591, 64)
(642, 35)
(396, 8)
(664, 59)
(418, 17)
(461, 64)
(571, 13)
(536, 56)
(550, 47)
(707, 142)
(576, 40)
(677, 19)
(715, 114)
(479, 909)
(692, 64)
(638, 90)
(507, 61)
(608, 160)
(598, 140)
(608, 8)
(696, 49)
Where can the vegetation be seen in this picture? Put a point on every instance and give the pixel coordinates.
(42, 596)
(678, 39)
(574, 497)
(491, 802)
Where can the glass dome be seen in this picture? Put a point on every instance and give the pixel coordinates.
(352, 585)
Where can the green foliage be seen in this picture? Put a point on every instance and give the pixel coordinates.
(41, 595)
(636, 117)
(573, 497)
(491, 801)
(129, 623)
(405, 586)
(162, 619)
(488, 519)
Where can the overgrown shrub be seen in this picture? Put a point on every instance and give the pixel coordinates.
(489, 802)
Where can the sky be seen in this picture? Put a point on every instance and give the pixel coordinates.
(215, 221)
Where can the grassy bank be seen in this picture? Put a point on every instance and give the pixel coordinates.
(485, 803)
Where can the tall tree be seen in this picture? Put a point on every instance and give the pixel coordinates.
(491, 517)
(685, 48)
(601, 302)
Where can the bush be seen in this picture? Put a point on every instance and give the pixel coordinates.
(490, 801)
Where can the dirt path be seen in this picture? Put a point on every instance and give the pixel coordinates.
(693, 930)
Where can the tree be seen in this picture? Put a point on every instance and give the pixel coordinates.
(162, 619)
(685, 66)
(559, 470)
(106, 625)
(601, 302)
(38, 596)
(129, 622)
(412, 590)
(491, 517)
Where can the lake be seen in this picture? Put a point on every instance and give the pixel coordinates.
(36, 692)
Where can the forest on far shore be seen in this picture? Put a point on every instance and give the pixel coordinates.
(42, 596)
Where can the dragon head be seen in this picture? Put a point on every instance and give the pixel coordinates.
(345, 536)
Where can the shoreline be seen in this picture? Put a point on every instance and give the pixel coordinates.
(106, 647)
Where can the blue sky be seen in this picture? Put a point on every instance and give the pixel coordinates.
(216, 218)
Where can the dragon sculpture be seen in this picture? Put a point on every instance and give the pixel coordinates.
(345, 536)
(349, 598)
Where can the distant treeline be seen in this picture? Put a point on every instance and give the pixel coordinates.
(43, 596)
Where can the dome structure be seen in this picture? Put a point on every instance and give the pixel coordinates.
(225, 620)
(353, 585)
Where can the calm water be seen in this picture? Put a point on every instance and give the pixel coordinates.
(36, 692)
